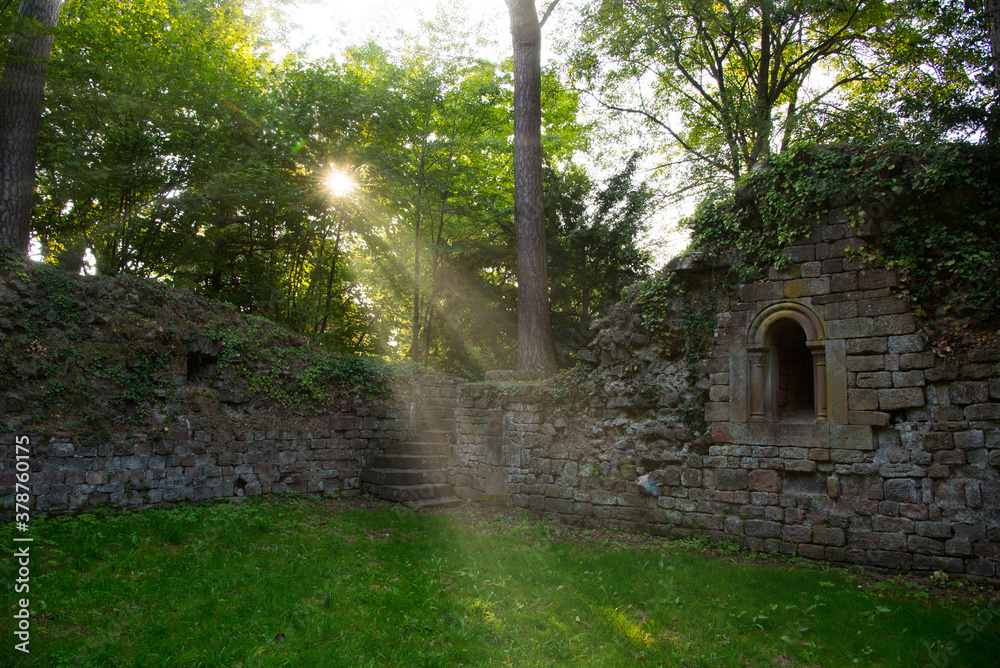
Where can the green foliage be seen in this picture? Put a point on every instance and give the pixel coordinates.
(594, 246)
(135, 378)
(933, 81)
(784, 198)
(721, 84)
(59, 302)
(288, 369)
(939, 206)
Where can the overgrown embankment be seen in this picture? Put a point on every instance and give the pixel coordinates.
(89, 356)
(133, 394)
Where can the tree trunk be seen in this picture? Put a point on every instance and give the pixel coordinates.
(534, 343)
(993, 28)
(333, 271)
(762, 112)
(415, 321)
(22, 91)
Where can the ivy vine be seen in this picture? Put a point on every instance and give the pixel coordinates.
(939, 207)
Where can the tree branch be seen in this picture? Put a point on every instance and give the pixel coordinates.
(545, 16)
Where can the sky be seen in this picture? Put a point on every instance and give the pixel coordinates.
(327, 26)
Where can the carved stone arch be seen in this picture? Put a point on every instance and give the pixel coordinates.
(763, 356)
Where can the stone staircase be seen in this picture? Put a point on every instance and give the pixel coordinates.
(412, 471)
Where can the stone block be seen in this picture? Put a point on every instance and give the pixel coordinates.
(871, 418)
(908, 379)
(882, 306)
(877, 278)
(949, 457)
(865, 362)
(902, 490)
(911, 361)
(935, 441)
(755, 292)
(976, 371)
(871, 540)
(810, 551)
(789, 272)
(844, 282)
(886, 325)
(941, 374)
(807, 287)
(851, 437)
(829, 536)
(853, 328)
(868, 345)
(973, 494)
(982, 412)
(762, 529)
(922, 545)
(562, 506)
(862, 400)
(764, 481)
(719, 393)
(970, 439)
(716, 411)
(896, 399)
(806, 253)
(731, 479)
(796, 534)
(934, 529)
(969, 392)
(844, 310)
(980, 567)
(873, 380)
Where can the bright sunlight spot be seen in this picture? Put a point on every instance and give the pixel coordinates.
(339, 182)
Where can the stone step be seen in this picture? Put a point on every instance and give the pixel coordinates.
(435, 424)
(417, 449)
(401, 477)
(406, 493)
(433, 504)
(415, 461)
(433, 435)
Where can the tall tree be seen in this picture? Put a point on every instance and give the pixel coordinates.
(22, 90)
(534, 338)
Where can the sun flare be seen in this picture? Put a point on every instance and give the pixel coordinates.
(339, 182)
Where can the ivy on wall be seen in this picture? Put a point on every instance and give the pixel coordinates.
(936, 212)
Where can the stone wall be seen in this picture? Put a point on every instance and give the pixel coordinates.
(894, 465)
(192, 461)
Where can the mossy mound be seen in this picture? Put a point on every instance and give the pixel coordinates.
(85, 355)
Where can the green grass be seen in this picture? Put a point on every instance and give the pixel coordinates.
(307, 583)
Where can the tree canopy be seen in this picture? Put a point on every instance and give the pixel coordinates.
(366, 198)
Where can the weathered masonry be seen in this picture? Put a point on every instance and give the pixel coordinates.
(190, 460)
(833, 432)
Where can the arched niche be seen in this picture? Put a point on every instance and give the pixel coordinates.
(786, 350)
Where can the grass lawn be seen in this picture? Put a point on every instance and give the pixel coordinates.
(285, 582)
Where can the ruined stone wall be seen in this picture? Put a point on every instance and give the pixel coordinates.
(900, 470)
(190, 460)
